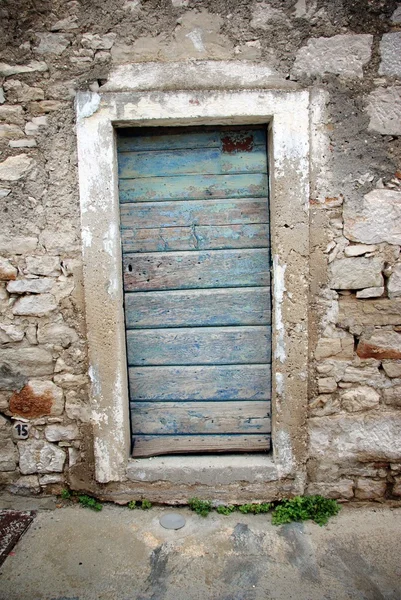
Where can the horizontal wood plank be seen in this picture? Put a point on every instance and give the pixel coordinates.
(149, 418)
(198, 237)
(231, 382)
(199, 346)
(197, 444)
(193, 187)
(205, 161)
(192, 308)
(205, 269)
(180, 214)
(133, 141)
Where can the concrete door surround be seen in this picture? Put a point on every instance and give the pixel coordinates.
(132, 97)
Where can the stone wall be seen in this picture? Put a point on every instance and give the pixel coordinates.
(346, 49)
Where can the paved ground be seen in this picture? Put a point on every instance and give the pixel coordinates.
(118, 554)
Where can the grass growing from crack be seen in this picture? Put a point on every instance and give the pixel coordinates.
(300, 508)
(145, 504)
(89, 502)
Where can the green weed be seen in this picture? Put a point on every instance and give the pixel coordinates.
(255, 509)
(301, 508)
(201, 507)
(90, 502)
(132, 505)
(225, 510)
(65, 494)
(146, 504)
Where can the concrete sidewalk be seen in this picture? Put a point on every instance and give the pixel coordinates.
(76, 554)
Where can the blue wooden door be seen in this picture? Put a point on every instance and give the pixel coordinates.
(196, 268)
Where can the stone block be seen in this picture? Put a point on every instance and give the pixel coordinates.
(37, 399)
(10, 333)
(17, 245)
(339, 490)
(75, 409)
(24, 143)
(394, 282)
(32, 67)
(397, 486)
(7, 271)
(343, 55)
(58, 334)
(359, 249)
(371, 292)
(264, 16)
(30, 286)
(12, 114)
(8, 455)
(390, 52)
(327, 385)
(23, 92)
(378, 312)
(392, 368)
(360, 398)
(25, 486)
(15, 167)
(365, 374)
(34, 126)
(356, 273)
(324, 405)
(392, 396)
(10, 132)
(375, 220)
(35, 305)
(380, 345)
(57, 433)
(370, 489)
(372, 436)
(52, 43)
(39, 456)
(336, 347)
(98, 42)
(16, 364)
(43, 265)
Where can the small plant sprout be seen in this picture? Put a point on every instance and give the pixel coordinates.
(201, 507)
(65, 494)
(146, 504)
(225, 510)
(301, 508)
(90, 502)
(255, 509)
(132, 505)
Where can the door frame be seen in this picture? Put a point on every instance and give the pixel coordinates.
(134, 103)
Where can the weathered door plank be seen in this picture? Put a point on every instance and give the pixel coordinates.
(180, 214)
(185, 444)
(205, 161)
(192, 308)
(193, 187)
(199, 346)
(160, 418)
(198, 237)
(206, 269)
(228, 382)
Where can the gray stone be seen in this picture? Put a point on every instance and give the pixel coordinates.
(32, 67)
(369, 489)
(265, 17)
(394, 282)
(27, 361)
(390, 52)
(56, 433)
(15, 167)
(66, 24)
(25, 486)
(52, 43)
(172, 521)
(327, 385)
(392, 368)
(342, 489)
(12, 114)
(43, 265)
(25, 143)
(8, 456)
(38, 456)
(35, 306)
(23, 92)
(396, 16)
(392, 396)
(356, 273)
(384, 110)
(338, 347)
(360, 398)
(32, 286)
(75, 409)
(58, 334)
(33, 127)
(343, 55)
(366, 375)
(375, 220)
(4, 192)
(7, 270)
(10, 333)
(98, 42)
(2, 97)
(372, 292)
(17, 244)
(359, 249)
(363, 437)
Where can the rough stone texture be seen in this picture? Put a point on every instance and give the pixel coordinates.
(359, 249)
(392, 396)
(327, 385)
(344, 55)
(356, 273)
(8, 454)
(56, 433)
(15, 167)
(7, 270)
(363, 437)
(369, 489)
(371, 292)
(38, 456)
(377, 219)
(17, 244)
(37, 399)
(32, 286)
(338, 347)
(384, 110)
(380, 312)
(341, 490)
(380, 345)
(10, 333)
(43, 265)
(58, 334)
(394, 282)
(390, 51)
(392, 368)
(34, 65)
(37, 305)
(52, 43)
(360, 398)
(28, 361)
